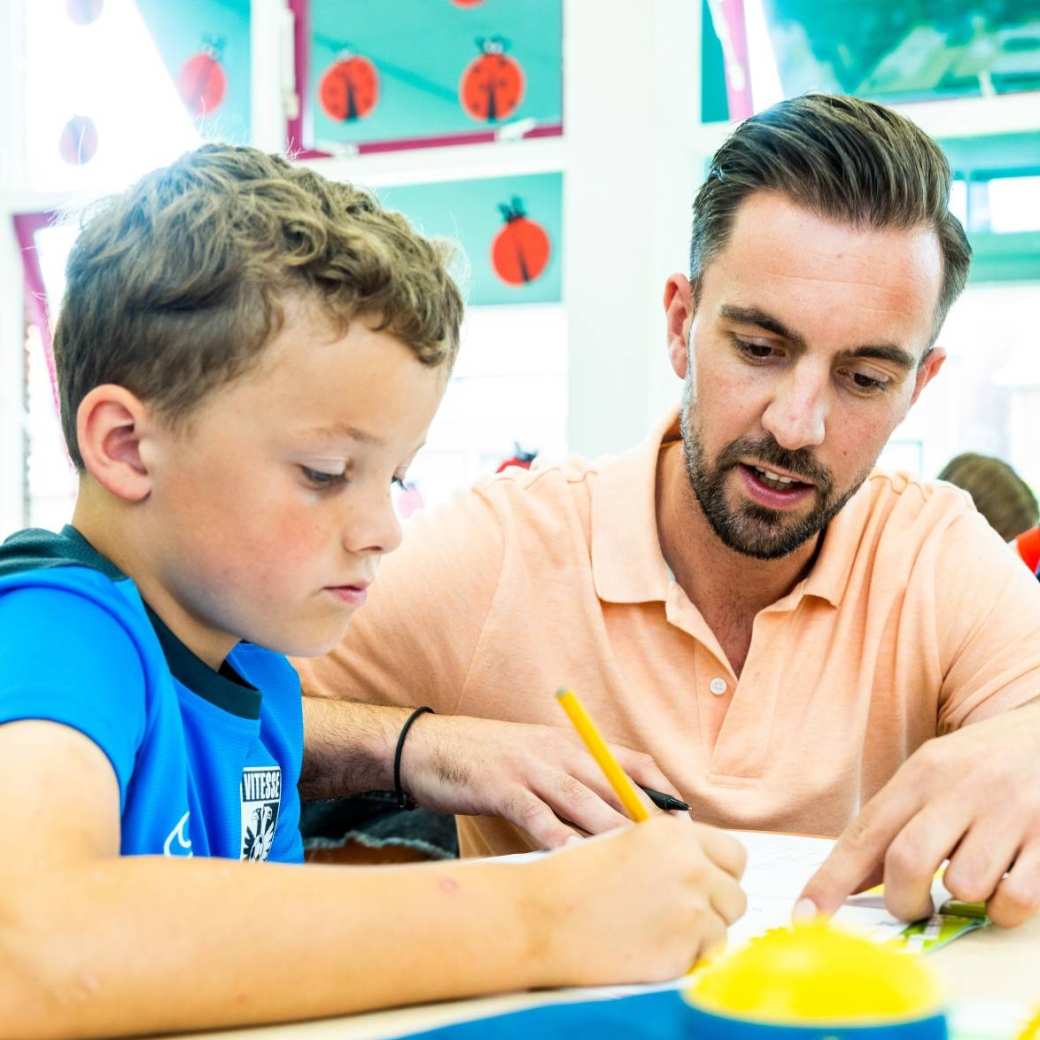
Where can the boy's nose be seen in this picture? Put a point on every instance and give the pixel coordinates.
(377, 530)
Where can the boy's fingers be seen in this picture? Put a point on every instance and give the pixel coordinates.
(713, 939)
(725, 851)
(728, 900)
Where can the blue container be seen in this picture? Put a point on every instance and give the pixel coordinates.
(710, 1025)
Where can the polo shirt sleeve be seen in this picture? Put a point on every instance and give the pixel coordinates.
(988, 617)
(65, 658)
(414, 639)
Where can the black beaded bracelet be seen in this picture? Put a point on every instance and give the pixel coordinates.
(404, 799)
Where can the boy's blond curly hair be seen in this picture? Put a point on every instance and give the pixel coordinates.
(176, 286)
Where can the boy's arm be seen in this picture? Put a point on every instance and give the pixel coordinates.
(92, 944)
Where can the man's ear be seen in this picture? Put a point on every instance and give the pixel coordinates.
(111, 423)
(927, 370)
(678, 309)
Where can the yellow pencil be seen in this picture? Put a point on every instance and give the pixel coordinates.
(618, 779)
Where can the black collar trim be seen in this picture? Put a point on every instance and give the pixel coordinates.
(225, 689)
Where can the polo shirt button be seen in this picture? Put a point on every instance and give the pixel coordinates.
(717, 686)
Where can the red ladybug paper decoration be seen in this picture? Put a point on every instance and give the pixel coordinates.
(521, 249)
(349, 89)
(79, 140)
(492, 86)
(521, 458)
(202, 82)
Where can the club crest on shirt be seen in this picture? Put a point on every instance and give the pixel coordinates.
(261, 792)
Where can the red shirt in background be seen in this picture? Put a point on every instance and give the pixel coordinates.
(1028, 545)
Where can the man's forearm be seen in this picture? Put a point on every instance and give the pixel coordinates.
(348, 747)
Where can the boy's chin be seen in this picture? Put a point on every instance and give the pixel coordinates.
(312, 644)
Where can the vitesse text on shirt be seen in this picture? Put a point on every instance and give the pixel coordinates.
(261, 796)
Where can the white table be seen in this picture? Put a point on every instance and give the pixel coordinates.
(991, 964)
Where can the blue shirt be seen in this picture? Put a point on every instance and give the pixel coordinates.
(207, 762)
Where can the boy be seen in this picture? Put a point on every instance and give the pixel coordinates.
(248, 356)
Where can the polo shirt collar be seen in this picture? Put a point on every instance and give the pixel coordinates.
(829, 576)
(627, 563)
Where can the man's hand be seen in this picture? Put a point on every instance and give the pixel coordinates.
(539, 778)
(972, 797)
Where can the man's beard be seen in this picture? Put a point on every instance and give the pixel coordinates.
(751, 529)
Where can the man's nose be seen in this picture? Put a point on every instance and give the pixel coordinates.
(797, 414)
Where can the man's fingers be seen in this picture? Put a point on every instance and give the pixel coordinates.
(860, 850)
(592, 777)
(872, 880)
(644, 770)
(979, 862)
(527, 811)
(579, 804)
(1017, 897)
(913, 857)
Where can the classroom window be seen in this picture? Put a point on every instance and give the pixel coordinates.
(987, 397)
(100, 107)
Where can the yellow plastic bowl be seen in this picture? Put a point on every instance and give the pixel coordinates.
(816, 980)
(1032, 1030)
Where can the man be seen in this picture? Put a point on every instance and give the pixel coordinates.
(800, 645)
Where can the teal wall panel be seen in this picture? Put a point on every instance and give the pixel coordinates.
(188, 27)
(420, 49)
(468, 213)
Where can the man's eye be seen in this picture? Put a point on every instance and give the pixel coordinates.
(320, 479)
(868, 384)
(756, 351)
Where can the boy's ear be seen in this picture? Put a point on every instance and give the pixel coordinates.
(110, 425)
(678, 309)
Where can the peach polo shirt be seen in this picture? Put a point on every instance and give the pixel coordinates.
(914, 620)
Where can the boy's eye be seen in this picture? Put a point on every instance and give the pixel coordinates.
(321, 479)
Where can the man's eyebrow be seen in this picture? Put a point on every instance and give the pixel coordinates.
(341, 431)
(881, 352)
(753, 316)
(878, 351)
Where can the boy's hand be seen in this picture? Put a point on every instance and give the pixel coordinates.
(643, 904)
(972, 797)
(539, 778)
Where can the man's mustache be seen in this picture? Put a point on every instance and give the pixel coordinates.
(767, 452)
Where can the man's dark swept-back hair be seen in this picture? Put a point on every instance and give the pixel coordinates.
(843, 158)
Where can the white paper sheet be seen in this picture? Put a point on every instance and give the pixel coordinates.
(778, 867)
